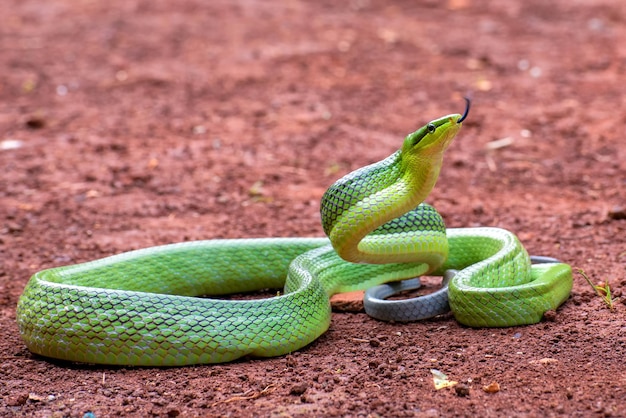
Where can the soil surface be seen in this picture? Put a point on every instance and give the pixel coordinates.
(128, 124)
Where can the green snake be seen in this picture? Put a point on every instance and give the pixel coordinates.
(142, 307)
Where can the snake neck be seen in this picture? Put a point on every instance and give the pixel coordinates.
(372, 215)
(373, 196)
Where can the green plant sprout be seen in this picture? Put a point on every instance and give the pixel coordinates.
(604, 291)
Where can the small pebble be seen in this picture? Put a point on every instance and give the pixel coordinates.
(617, 213)
(35, 123)
(373, 364)
(298, 389)
(462, 390)
(492, 387)
(9, 144)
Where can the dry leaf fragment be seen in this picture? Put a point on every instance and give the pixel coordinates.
(441, 380)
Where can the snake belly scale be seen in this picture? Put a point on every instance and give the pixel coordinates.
(141, 307)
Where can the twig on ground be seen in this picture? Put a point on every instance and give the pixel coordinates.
(247, 395)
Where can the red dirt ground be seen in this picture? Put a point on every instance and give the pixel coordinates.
(150, 122)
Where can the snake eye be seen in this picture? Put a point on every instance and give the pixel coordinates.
(431, 128)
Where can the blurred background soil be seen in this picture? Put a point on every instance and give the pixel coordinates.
(128, 124)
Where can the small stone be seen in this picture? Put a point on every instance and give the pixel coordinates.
(9, 144)
(375, 342)
(298, 389)
(35, 122)
(493, 387)
(462, 390)
(617, 213)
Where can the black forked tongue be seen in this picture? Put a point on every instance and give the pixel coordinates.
(467, 109)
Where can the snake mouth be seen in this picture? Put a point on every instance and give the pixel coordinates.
(468, 104)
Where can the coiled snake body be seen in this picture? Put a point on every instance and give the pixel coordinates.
(140, 307)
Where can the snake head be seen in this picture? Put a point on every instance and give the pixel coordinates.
(422, 151)
(432, 139)
(436, 135)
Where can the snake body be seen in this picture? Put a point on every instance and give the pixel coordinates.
(488, 281)
(141, 307)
